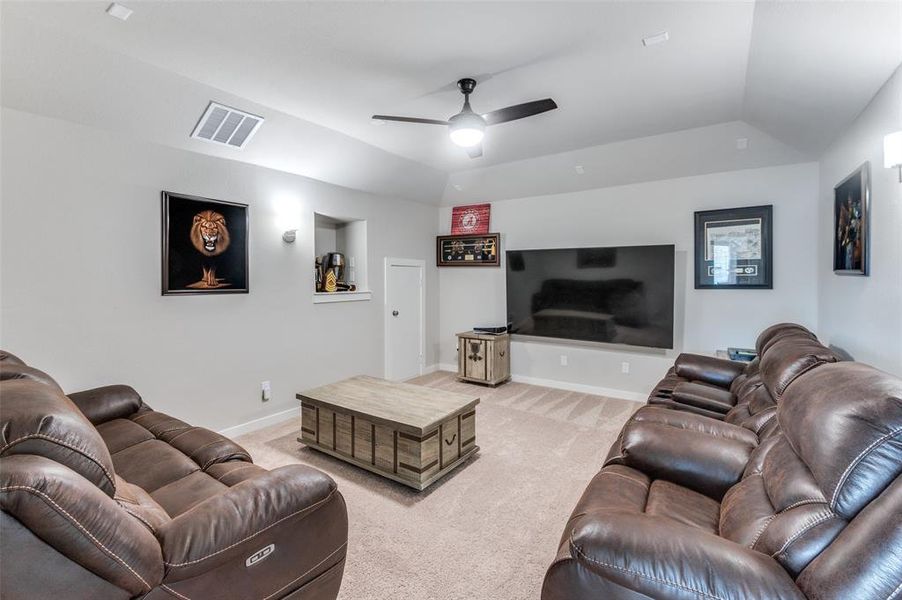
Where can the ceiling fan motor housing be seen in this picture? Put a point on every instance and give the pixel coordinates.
(466, 85)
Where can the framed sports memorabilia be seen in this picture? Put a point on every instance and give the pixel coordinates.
(851, 227)
(205, 246)
(468, 250)
(470, 220)
(734, 248)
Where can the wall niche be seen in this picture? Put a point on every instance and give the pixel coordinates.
(348, 237)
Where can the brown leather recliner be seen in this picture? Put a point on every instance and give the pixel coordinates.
(714, 387)
(815, 513)
(103, 497)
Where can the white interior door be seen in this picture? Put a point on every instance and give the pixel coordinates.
(404, 319)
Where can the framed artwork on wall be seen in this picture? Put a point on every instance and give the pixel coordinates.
(734, 248)
(851, 223)
(468, 250)
(205, 246)
(472, 219)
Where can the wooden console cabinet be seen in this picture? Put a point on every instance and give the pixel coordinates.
(483, 358)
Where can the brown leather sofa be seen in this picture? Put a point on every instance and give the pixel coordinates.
(103, 497)
(808, 506)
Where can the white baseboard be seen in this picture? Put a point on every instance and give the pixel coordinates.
(260, 423)
(566, 385)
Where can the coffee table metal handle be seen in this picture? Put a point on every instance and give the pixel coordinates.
(394, 313)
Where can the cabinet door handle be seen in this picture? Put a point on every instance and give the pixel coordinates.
(501, 353)
(451, 441)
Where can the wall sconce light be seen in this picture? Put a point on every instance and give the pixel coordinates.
(892, 152)
(290, 236)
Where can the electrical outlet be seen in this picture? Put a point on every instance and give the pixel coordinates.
(265, 391)
(563, 360)
(624, 367)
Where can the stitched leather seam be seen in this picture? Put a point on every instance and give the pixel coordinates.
(239, 542)
(802, 503)
(213, 461)
(62, 443)
(173, 592)
(331, 554)
(858, 459)
(674, 584)
(75, 521)
(771, 418)
(646, 486)
(235, 471)
(175, 437)
(140, 518)
(895, 592)
(805, 529)
(761, 531)
(132, 445)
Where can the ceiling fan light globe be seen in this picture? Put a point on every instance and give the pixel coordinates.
(467, 137)
(466, 129)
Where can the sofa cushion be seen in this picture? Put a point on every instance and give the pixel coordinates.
(207, 447)
(702, 396)
(234, 471)
(120, 434)
(682, 505)
(777, 331)
(855, 412)
(152, 464)
(789, 358)
(183, 494)
(36, 418)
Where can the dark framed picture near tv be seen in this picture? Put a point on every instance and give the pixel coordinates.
(734, 248)
(619, 295)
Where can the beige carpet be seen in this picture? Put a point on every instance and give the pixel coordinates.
(490, 528)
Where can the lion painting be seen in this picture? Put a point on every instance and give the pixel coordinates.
(209, 233)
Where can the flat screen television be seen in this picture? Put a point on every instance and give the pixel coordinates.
(618, 295)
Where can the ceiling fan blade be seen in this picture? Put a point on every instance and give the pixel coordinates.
(409, 120)
(519, 111)
(475, 151)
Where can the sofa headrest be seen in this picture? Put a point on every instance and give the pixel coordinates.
(38, 419)
(775, 331)
(789, 357)
(844, 420)
(9, 357)
(15, 370)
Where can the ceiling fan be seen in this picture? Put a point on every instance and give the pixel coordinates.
(467, 128)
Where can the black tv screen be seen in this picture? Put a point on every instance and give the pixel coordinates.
(619, 295)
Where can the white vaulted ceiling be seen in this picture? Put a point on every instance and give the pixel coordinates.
(797, 72)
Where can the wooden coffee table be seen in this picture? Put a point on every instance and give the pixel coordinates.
(409, 433)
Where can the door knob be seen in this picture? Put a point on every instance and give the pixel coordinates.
(394, 313)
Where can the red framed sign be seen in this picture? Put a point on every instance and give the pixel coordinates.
(472, 219)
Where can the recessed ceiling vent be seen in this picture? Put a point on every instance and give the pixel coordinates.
(222, 124)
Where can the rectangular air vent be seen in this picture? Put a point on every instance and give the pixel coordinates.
(222, 124)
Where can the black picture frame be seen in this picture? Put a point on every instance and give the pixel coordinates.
(468, 250)
(205, 246)
(851, 223)
(734, 248)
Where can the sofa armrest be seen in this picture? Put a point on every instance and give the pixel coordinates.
(699, 453)
(704, 396)
(716, 371)
(660, 558)
(106, 403)
(290, 524)
(77, 520)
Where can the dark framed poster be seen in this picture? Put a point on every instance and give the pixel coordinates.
(467, 250)
(851, 224)
(205, 246)
(734, 248)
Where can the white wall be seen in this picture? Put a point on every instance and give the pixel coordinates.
(659, 212)
(863, 315)
(81, 275)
